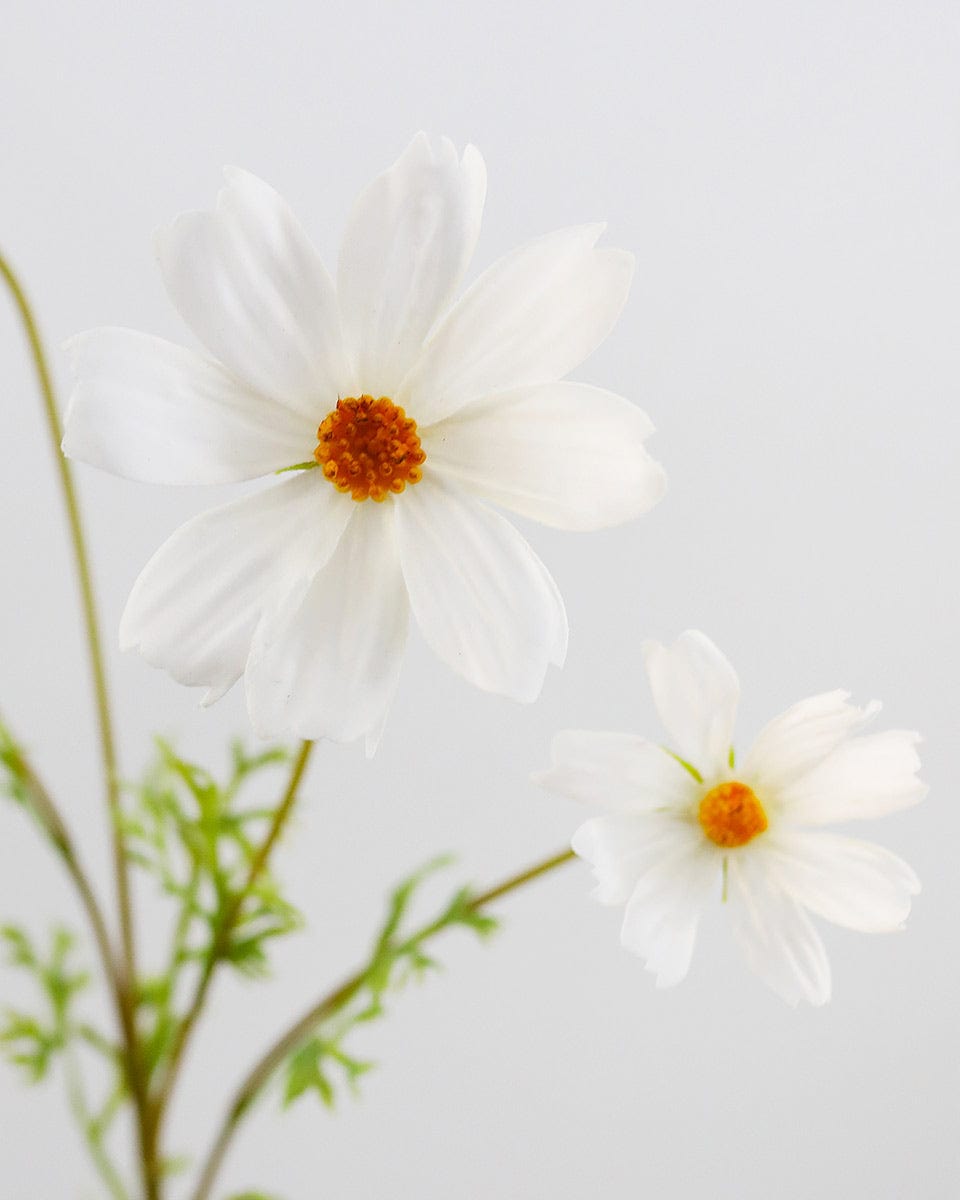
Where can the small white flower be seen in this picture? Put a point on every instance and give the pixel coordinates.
(416, 414)
(687, 825)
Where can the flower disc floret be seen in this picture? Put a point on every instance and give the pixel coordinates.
(731, 815)
(369, 448)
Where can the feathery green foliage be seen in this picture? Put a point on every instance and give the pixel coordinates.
(29, 1042)
(33, 1043)
(197, 837)
(193, 836)
(397, 958)
(13, 779)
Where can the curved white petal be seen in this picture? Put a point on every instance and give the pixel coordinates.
(483, 600)
(776, 935)
(566, 454)
(852, 883)
(696, 692)
(663, 912)
(328, 664)
(408, 241)
(251, 286)
(195, 606)
(868, 776)
(801, 738)
(146, 409)
(530, 318)
(617, 771)
(621, 847)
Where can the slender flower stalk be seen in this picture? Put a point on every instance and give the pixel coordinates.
(88, 600)
(222, 940)
(124, 972)
(262, 1072)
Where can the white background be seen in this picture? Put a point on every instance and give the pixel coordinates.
(787, 175)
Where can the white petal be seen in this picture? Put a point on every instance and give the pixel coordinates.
(565, 454)
(328, 665)
(622, 847)
(662, 914)
(617, 771)
(409, 240)
(696, 692)
(146, 409)
(864, 777)
(196, 604)
(483, 600)
(250, 285)
(852, 883)
(801, 738)
(530, 318)
(780, 943)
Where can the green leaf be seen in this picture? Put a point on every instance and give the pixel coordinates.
(402, 896)
(195, 834)
(174, 1164)
(187, 829)
(462, 912)
(14, 777)
(396, 958)
(20, 951)
(305, 1071)
(27, 1044)
(31, 1042)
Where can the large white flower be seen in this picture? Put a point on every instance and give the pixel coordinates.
(414, 413)
(688, 825)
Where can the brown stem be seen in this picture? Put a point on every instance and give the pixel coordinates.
(263, 1070)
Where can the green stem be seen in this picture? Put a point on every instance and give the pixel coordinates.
(111, 1107)
(55, 827)
(178, 946)
(88, 602)
(126, 968)
(184, 921)
(222, 940)
(92, 1131)
(261, 1073)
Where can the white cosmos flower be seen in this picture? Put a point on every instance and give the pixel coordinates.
(685, 826)
(430, 411)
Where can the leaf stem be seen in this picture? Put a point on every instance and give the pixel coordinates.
(125, 968)
(261, 1073)
(53, 824)
(92, 1130)
(222, 940)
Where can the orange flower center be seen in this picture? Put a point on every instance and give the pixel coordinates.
(731, 815)
(369, 447)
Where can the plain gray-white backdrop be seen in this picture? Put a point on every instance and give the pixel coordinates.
(788, 176)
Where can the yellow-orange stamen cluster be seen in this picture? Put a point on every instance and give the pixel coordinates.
(731, 815)
(369, 448)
